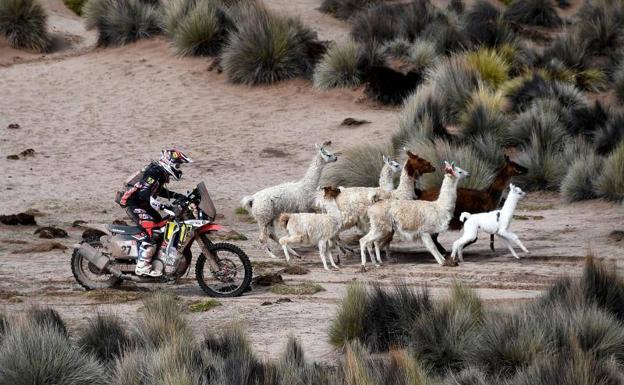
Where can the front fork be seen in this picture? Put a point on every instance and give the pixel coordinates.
(211, 258)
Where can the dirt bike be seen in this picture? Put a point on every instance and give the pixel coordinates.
(222, 269)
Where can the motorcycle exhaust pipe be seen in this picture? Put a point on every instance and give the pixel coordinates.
(100, 261)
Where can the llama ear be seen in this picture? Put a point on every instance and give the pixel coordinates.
(447, 164)
(317, 146)
(385, 159)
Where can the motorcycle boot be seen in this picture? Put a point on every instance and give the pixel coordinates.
(144, 265)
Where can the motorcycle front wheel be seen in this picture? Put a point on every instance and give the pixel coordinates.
(88, 276)
(233, 276)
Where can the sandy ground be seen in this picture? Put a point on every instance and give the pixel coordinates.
(93, 116)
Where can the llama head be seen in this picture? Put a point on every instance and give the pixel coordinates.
(330, 192)
(326, 155)
(455, 171)
(515, 190)
(513, 169)
(415, 165)
(395, 167)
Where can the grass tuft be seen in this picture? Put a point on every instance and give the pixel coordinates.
(358, 167)
(610, 184)
(163, 321)
(618, 82)
(121, 22)
(203, 306)
(533, 12)
(105, 337)
(339, 67)
(48, 317)
(490, 65)
(580, 182)
(267, 48)
(201, 30)
(75, 5)
(306, 288)
(36, 353)
(345, 9)
(24, 24)
(347, 324)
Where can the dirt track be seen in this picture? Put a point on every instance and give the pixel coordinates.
(95, 115)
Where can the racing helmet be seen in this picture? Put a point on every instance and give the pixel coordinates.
(171, 159)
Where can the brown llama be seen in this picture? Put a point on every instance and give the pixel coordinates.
(476, 201)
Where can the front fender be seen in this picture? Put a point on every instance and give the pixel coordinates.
(207, 228)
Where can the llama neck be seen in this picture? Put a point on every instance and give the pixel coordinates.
(313, 175)
(508, 209)
(498, 185)
(332, 209)
(448, 193)
(405, 190)
(386, 180)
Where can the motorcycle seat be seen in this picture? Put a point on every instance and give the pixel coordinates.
(130, 230)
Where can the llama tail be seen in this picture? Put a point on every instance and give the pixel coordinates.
(247, 202)
(464, 216)
(283, 220)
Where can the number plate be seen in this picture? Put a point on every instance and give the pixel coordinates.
(129, 248)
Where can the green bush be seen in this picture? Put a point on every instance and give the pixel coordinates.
(610, 184)
(163, 321)
(104, 337)
(197, 27)
(339, 67)
(75, 5)
(345, 9)
(24, 24)
(121, 22)
(267, 48)
(579, 183)
(36, 353)
(492, 67)
(533, 12)
(359, 166)
(347, 323)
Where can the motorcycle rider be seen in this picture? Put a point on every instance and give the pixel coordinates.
(141, 204)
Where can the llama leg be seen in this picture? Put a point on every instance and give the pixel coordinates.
(507, 243)
(284, 241)
(322, 246)
(331, 258)
(430, 245)
(469, 236)
(263, 238)
(515, 239)
(363, 242)
(441, 249)
(274, 237)
(376, 262)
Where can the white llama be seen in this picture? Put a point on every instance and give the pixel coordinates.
(354, 201)
(313, 228)
(266, 205)
(411, 218)
(495, 222)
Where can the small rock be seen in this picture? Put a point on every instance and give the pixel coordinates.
(42, 247)
(51, 232)
(13, 126)
(27, 152)
(120, 222)
(616, 235)
(266, 303)
(283, 300)
(13, 157)
(268, 279)
(78, 222)
(353, 122)
(18, 219)
(294, 270)
(92, 234)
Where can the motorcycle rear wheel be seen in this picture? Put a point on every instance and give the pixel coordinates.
(87, 275)
(226, 282)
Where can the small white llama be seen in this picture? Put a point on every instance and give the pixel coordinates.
(266, 205)
(495, 222)
(313, 228)
(411, 218)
